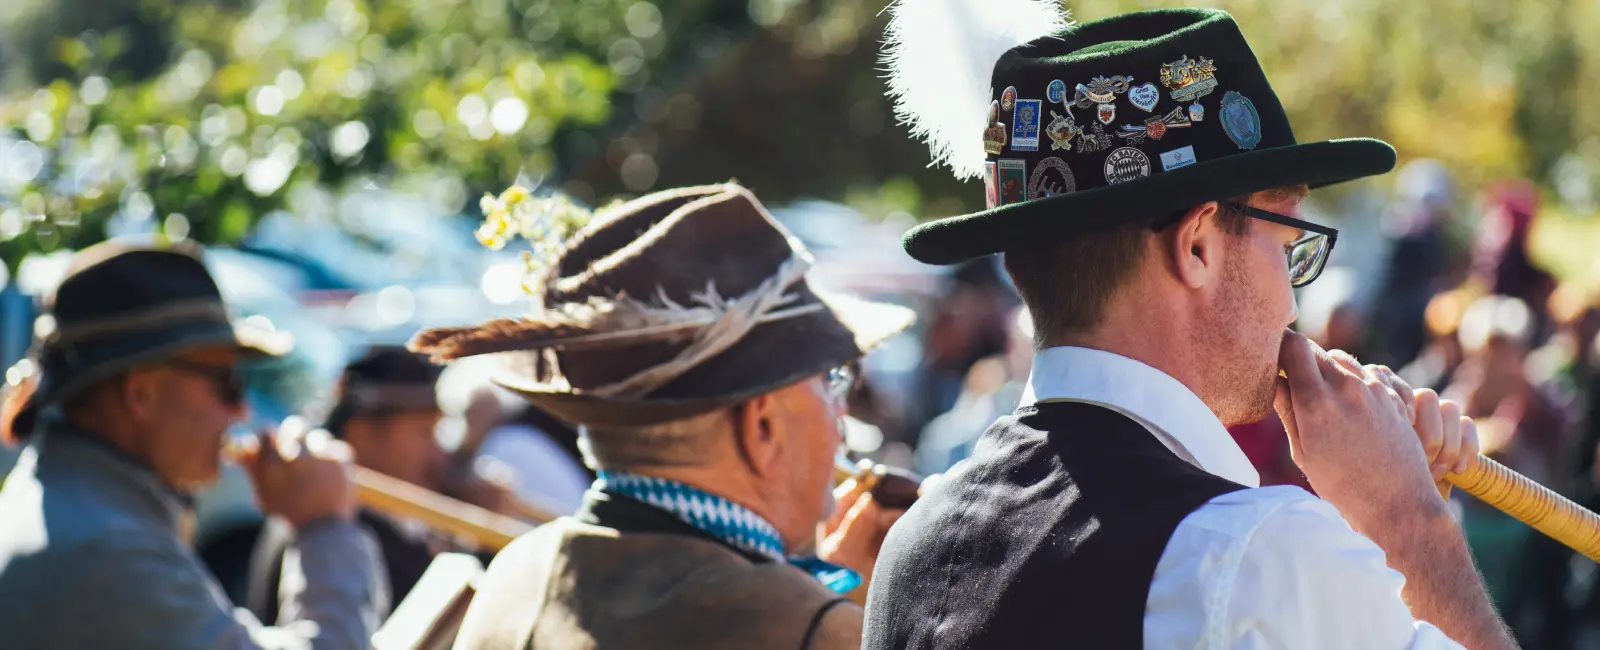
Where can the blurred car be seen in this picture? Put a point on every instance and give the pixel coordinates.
(368, 239)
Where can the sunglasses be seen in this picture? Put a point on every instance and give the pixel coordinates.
(1306, 255)
(839, 382)
(228, 380)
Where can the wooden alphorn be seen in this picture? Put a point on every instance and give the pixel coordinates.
(397, 498)
(1526, 501)
(891, 487)
(1531, 503)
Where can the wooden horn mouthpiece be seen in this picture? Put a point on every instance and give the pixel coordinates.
(891, 487)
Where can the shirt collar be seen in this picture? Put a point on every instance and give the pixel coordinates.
(1153, 398)
(730, 522)
(84, 454)
(724, 520)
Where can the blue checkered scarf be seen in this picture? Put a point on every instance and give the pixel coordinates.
(730, 522)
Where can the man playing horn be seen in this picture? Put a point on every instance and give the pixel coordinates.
(125, 419)
(678, 330)
(385, 407)
(1113, 509)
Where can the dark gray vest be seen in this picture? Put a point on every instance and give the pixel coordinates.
(1047, 537)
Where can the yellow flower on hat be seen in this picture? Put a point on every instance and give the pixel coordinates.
(488, 238)
(546, 222)
(513, 195)
(489, 204)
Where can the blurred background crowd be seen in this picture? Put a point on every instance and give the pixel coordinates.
(328, 153)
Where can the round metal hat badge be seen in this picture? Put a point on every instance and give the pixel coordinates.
(1126, 164)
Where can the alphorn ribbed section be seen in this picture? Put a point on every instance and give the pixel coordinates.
(1532, 504)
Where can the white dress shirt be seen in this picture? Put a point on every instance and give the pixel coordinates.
(1268, 567)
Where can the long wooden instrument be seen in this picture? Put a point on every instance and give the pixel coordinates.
(1532, 504)
(891, 487)
(397, 498)
(1493, 483)
(494, 531)
(401, 499)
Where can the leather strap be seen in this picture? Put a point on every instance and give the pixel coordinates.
(816, 621)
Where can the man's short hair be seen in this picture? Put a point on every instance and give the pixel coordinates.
(677, 443)
(1067, 285)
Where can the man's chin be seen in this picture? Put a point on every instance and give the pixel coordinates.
(1262, 412)
(193, 485)
(198, 480)
(1255, 408)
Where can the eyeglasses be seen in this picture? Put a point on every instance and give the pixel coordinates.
(227, 380)
(1306, 255)
(839, 382)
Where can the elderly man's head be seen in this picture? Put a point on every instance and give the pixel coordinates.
(144, 355)
(681, 331)
(775, 452)
(172, 413)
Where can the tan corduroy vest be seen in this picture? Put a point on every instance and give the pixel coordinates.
(574, 586)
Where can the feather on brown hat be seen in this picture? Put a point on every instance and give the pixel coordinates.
(668, 306)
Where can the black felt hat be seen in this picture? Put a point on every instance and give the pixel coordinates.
(389, 378)
(122, 305)
(671, 305)
(1130, 118)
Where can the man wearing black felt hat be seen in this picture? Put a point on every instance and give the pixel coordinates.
(1143, 184)
(125, 410)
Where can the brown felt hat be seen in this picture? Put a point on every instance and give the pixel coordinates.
(669, 306)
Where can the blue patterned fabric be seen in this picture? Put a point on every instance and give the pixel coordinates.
(730, 522)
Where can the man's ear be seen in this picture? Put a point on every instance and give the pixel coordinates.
(141, 394)
(1195, 246)
(756, 435)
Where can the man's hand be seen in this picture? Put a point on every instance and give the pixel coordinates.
(1449, 438)
(302, 476)
(854, 534)
(1369, 444)
(1378, 451)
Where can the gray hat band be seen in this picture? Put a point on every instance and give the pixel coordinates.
(162, 316)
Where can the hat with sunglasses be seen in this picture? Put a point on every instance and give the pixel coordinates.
(669, 306)
(123, 305)
(1077, 127)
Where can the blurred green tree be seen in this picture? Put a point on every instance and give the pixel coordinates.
(247, 103)
(1493, 89)
(206, 115)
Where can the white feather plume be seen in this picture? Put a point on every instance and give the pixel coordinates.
(940, 56)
